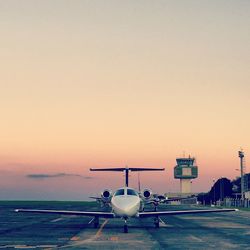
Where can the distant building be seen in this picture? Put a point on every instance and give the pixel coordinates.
(247, 195)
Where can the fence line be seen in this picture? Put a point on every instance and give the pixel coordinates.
(230, 202)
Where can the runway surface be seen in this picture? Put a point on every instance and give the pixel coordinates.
(40, 231)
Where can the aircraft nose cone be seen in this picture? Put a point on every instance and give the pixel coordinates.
(123, 206)
(126, 206)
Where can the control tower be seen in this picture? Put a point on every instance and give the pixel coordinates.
(185, 170)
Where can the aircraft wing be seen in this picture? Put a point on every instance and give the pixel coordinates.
(66, 212)
(165, 213)
(178, 199)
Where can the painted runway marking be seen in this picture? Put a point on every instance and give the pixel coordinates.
(91, 221)
(24, 247)
(162, 223)
(99, 232)
(75, 238)
(58, 219)
(194, 238)
(114, 238)
(29, 247)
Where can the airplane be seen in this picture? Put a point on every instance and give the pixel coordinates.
(125, 203)
(158, 199)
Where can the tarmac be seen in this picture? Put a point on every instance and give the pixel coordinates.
(44, 231)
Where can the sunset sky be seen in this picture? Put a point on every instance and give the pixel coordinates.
(114, 83)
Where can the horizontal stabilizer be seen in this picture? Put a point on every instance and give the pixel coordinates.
(127, 171)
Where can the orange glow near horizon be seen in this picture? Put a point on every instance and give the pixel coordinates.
(97, 84)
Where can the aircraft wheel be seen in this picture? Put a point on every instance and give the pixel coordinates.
(157, 223)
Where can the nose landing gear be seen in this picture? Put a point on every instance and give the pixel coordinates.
(125, 228)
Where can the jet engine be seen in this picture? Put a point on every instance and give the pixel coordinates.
(147, 194)
(106, 194)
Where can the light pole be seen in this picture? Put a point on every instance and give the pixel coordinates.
(237, 194)
(241, 156)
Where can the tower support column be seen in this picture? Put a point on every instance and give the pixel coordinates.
(185, 186)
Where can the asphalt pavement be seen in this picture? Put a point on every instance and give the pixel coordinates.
(43, 231)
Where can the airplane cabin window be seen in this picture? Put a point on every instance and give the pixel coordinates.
(131, 192)
(119, 192)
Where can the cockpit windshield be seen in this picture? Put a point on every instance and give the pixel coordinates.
(119, 192)
(131, 192)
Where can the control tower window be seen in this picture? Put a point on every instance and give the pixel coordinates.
(186, 171)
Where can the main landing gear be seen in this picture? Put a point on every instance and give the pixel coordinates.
(157, 222)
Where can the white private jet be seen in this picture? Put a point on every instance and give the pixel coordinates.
(125, 203)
